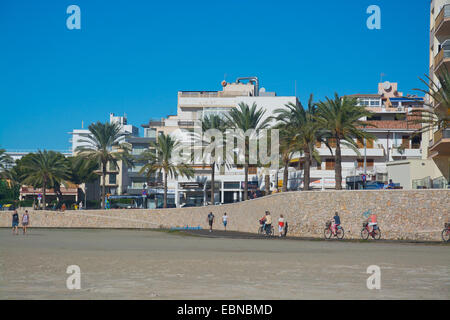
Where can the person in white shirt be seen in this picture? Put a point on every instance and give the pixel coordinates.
(225, 220)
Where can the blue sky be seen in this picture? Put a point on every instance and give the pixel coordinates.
(133, 56)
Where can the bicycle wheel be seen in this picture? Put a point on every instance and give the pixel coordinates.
(340, 233)
(446, 235)
(260, 231)
(327, 233)
(364, 234)
(377, 234)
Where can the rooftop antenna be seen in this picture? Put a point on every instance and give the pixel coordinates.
(295, 88)
(82, 124)
(381, 77)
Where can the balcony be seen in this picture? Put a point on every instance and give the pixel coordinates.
(406, 153)
(442, 59)
(198, 94)
(345, 152)
(186, 123)
(442, 22)
(440, 145)
(431, 38)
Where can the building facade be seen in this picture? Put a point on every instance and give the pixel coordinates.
(437, 141)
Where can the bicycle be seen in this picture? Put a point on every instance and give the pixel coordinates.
(262, 230)
(328, 232)
(446, 233)
(375, 233)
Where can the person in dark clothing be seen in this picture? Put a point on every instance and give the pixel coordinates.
(210, 221)
(15, 222)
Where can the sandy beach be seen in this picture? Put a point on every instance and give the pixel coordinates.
(138, 264)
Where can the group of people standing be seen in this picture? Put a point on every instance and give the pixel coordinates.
(15, 222)
(266, 221)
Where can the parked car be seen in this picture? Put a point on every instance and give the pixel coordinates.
(8, 207)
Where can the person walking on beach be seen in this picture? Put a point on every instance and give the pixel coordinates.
(25, 221)
(15, 222)
(281, 225)
(210, 220)
(268, 222)
(225, 220)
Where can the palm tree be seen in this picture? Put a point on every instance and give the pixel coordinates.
(341, 118)
(246, 118)
(44, 169)
(207, 123)
(99, 146)
(83, 171)
(5, 162)
(159, 158)
(288, 146)
(307, 132)
(438, 114)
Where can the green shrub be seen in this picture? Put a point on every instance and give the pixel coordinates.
(26, 203)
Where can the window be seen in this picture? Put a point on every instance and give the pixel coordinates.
(360, 143)
(369, 163)
(138, 149)
(329, 165)
(112, 167)
(231, 185)
(415, 142)
(405, 142)
(332, 142)
(112, 178)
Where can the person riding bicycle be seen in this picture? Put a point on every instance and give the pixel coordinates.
(336, 222)
(372, 220)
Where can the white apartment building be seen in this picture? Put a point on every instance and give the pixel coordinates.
(116, 179)
(437, 141)
(394, 141)
(78, 135)
(195, 105)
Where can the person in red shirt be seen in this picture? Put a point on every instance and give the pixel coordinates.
(281, 225)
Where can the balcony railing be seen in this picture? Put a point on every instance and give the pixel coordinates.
(198, 94)
(431, 37)
(444, 13)
(440, 134)
(439, 58)
(186, 123)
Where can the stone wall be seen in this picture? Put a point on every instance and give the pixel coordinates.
(402, 214)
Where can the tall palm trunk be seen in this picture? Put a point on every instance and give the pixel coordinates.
(307, 171)
(213, 167)
(246, 159)
(103, 184)
(338, 165)
(44, 187)
(285, 175)
(267, 183)
(165, 190)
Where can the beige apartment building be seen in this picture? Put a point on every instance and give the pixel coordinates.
(437, 142)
